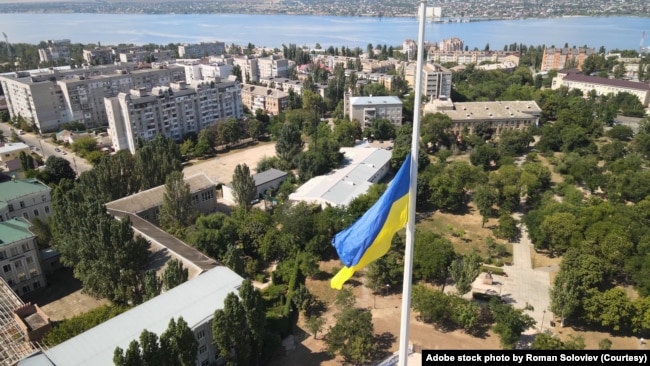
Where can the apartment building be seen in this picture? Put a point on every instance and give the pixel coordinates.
(386, 80)
(174, 111)
(451, 44)
(367, 109)
(98, 56)
(410, 48)
(273, 66)
(53, 98)
(144, 56)
(468, 57)
(284, 84)
(573, 79)
(55, 50)
(19, 260)
(201, 49)
(250, 71)
(436, 80)
(564, 58)
(27, 198)
(272, 101)
(501, 116)
(209, 70)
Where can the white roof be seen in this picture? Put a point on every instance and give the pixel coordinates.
(375, 100)
(342, 186)
(195, 300)
(13, 146)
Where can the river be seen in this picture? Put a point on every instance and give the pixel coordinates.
(275, 30)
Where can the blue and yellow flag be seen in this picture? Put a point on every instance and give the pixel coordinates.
(369, 237)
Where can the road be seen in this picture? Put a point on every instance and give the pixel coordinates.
(46, 148)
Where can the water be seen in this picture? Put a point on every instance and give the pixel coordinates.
(337, 31)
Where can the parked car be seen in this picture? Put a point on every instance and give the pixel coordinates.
(57, 149)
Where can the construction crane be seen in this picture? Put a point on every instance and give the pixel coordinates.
(8, 46)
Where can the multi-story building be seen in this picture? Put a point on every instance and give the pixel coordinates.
(410, 48)
(55, 51)
(273, 66)
(387, 80)
(284, 84)
(272, 101)
(199, 70)
(28, 198)
(573, 79)
(451, 45)
(202, 49)
(173, 111)
(501, 116)
(98, 56)
(563, 58)
(51, 99)
(436, 80)
(19, 261)
(144, 56)
(468, 57)
(250, 71)
(367, 109)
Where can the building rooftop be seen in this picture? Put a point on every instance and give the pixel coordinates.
(195, 301)
(11, 147)
(627, 84)
(493, 110)
(154, 197)
(268, 176)
(374, 100)
(17, 188)
(14, 230)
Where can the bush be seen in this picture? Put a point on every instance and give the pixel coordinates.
(69, 328)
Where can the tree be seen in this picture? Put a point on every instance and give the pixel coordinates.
(180, 342)
(58, 168)
(612, 308)
(167, 157)
(177, 210)
(507, 228)
(314, 324)
(151, 285)
(243, 186)
(510, 323)
(174, 274)
(236, 71)
(432, 257)
(84, 145)
(352, 336)
(289, 143)
(464, 271)
(557, 231)
(485, 197)
(26, 161)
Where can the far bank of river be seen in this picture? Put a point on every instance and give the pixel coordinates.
(275, 30)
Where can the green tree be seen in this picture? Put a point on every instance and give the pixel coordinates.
(314, 324)
(84, 145)
(177, 210)
(507, 228)
(243, 186)
(167, 157)
(463, 271)
(433, 255)
(151, 285)
(485, 197)
(174, 274)
(352, 336)
(289, 144)
(612, 308)
(180, 343)
(510, 323)
(57, 169)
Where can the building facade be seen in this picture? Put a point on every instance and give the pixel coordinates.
(202, 49)
(367, 109)
(55, 50)
(272, 101)
(11, 151)
(273, 66)
(98, 56)
(563, 58)
(173, 111)
(250, 71)
(602, 86)
(436, 81)
(451, 44)
(468, 57)
(28, 198)
(19, 262)
(51, 99)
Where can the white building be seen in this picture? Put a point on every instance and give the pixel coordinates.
(573, 79)
(202, 49)
(195, 300)
(197, 70)
(28, 198)
(55, 51)
(273, 66)
(367, 109)
(363, 167)
(250, 71)
(173, 111)
(19, 263)
(436, 81)
(11, 151)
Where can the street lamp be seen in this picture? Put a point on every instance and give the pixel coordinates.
(387, 288)
(543, 315)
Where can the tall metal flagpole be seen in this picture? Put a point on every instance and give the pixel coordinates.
(410, 226)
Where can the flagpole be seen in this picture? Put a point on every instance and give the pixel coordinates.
(410, 226)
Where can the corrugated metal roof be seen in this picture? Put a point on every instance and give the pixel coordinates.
(14, 230)
(268, 176)
(21, 187)
(195, 300)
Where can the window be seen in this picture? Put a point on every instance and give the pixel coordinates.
(200, 334)
(26, 289)
(14, 251)
(25, 247)
(11, 207)
(22, 204)
(207, 195)
(205, 363)
(29, 260)
(203, 349)
(44, 198)
(6, 268)
(36, 285)
(2, 255)
(18, 264)
(36, 213)
(26, 215)
(195, 199)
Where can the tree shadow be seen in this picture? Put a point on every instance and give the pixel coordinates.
(60, 284)
(321, 276)
(383, 342)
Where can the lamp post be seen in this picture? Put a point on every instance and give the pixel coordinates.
(543, 315)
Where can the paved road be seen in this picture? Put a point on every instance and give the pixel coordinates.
(46, 149)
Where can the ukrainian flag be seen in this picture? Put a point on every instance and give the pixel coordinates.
(369, 237)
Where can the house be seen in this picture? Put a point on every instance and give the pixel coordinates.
(27, 198)
(264, 181)
(195, 300)
(19, 261)
(11, 151)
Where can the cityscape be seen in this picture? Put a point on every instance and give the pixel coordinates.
(179, 204)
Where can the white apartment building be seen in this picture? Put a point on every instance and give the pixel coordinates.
(20, 266)
(98, 56)
(53, 98)
(273, 66)
(409, 48)
(202, 49)
(573, 79)
(142, 55)
(367, 109)
(28, 198)
(468, 57)
(173, 111)
(250, 71)
(196, 70)
(436, 80)
(55, 50)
